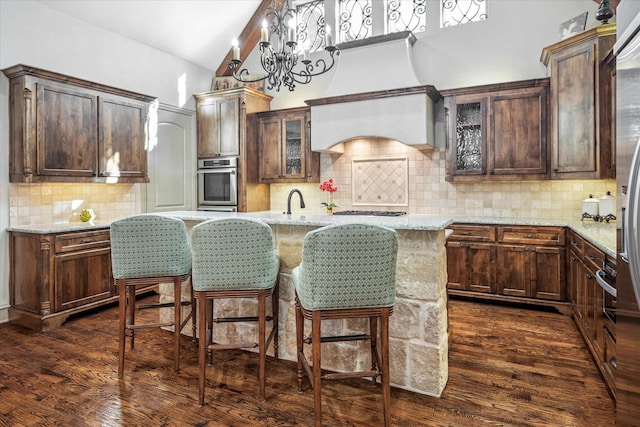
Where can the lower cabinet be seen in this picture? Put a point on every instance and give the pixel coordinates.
(53, 276)
(587, 301)
(514, 263)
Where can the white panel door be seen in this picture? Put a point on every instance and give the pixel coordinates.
(172, 162)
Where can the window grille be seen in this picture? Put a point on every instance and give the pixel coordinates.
(458, 12)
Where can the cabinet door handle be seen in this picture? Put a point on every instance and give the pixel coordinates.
(574, 258)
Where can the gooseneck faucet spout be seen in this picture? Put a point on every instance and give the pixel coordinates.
(295, 190)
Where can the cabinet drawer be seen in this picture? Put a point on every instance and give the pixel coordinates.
(71, 242)
(577, 243)
(593, 257)
(547, 236)
(473, 233)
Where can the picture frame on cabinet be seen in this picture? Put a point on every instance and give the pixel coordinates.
(573, 26)
(222, 83)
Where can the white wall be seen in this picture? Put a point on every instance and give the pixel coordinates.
(34, 34)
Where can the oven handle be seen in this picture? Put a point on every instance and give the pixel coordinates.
(232, 171)
(604, 285)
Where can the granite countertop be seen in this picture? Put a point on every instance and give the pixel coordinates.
(600, 234)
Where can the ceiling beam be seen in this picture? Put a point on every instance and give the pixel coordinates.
(248, 39)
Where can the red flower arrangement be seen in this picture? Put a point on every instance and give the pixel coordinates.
(329, 188)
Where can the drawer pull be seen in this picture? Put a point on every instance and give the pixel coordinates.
(89, 240)
(465, 233)
(530, 236)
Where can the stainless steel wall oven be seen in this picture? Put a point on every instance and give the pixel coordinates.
(218, 184)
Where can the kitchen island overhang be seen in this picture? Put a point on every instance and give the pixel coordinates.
(418, 334)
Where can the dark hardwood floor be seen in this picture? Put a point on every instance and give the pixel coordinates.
(507, 367)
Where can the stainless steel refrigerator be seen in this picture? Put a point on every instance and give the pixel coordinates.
(627, 51)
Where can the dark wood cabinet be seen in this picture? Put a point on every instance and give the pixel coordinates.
(55, 275)
(531, 262)
(587, 306)
(222, 120)
(64, 129)
(122, 138)
(512, 263)
(471, 255)
(285, 147)
(498, 132)
(581, 118)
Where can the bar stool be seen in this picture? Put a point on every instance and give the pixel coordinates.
(347, 271)
(147, 250)
(234, 258)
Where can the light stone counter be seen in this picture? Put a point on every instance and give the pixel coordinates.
(418, 326)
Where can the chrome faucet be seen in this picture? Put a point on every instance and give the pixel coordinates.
(295, 190)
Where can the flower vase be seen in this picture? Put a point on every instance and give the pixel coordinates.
(329, 211)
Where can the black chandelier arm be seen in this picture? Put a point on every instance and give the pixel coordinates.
(310, 70)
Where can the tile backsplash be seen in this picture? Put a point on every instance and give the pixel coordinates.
(430, 193)
(46, 203)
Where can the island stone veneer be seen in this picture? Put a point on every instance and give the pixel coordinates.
(418, 326)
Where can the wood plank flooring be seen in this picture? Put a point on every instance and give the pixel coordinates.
(508, 366)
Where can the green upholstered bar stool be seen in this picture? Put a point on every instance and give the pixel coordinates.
(234, 258)
(347, 271)
(147, 250)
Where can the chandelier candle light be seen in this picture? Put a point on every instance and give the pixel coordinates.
(279, 62)
(330, 189)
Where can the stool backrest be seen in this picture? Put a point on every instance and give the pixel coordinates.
(233, 253)
(349, 266)
(149, 245)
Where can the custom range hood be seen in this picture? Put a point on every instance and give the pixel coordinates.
(375, 93)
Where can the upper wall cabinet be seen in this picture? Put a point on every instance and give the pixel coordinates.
(497, 132)
(64, 129)
(221, 117)
(581, 118)
(285, 149)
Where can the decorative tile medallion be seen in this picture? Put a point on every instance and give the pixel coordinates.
(380, 182)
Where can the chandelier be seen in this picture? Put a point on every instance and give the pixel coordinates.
(279, 62)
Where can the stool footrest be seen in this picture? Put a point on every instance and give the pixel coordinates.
(232, 346)
(358, 337)
(161, 305)
(150, 325)
(345, 375)
(239, 319)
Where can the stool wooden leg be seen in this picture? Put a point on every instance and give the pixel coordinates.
(122, 310)
(202, 346)
(131, 312)
(194, 323)
(373, 341)
(177, 310)
(386, 382)
(275, 312)
(209, 340)
(317, 367)
(262, 351)
(299, 344)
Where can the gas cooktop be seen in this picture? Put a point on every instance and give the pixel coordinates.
(371, 213)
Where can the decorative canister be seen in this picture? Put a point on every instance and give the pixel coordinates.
(607, 205)
(590, 207)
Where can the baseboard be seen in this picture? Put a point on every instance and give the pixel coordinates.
(4, 315)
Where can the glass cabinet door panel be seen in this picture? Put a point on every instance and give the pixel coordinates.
(469, 137)
(293, 147)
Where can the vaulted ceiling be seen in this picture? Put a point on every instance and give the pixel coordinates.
(199, 31)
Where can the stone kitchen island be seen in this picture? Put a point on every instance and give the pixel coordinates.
(418, 327)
